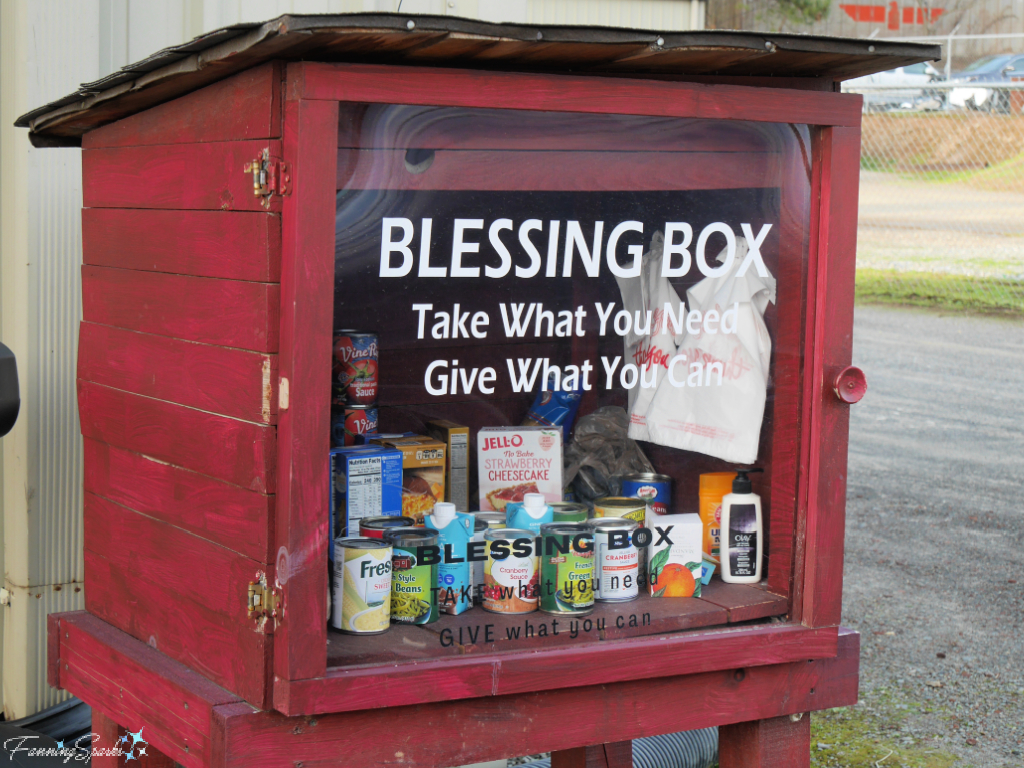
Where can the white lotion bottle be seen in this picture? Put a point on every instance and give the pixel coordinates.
(742, 538)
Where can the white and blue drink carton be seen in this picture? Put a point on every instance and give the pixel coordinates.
(455, 573)
(366, 481)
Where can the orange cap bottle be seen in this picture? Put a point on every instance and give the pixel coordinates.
(713, 488)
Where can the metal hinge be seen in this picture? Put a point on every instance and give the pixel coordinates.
(270, 176)
(263, 602)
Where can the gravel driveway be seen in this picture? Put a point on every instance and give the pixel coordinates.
(934, 576)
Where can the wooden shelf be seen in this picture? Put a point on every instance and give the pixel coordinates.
(478, 631)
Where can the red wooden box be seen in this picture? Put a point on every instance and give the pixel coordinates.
(204, 385)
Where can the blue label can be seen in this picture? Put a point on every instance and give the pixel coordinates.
(655, 490)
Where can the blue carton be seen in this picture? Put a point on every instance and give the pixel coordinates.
(366, 481)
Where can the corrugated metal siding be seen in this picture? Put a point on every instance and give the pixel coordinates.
(55, 241)
(25, 688)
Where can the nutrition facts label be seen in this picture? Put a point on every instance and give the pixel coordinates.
(459, 475)
(364, 487)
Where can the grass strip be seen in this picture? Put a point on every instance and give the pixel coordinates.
(929, 289)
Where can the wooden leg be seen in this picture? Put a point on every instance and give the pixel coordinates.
(618, 754)
(108, 736)
(780, 742)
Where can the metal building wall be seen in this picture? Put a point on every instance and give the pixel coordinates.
(48, 47)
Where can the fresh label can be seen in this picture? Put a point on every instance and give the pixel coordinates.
(376, 527)
(617, 560)
(570, 512)
(654, 489)
(362, 586)
(355, 370)
(567, 569)
(413, 584)
(511, 571)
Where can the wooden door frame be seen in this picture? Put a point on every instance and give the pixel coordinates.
(302, 683)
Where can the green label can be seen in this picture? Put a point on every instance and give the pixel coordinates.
(413, 585)
(567, 569)
(570, 512)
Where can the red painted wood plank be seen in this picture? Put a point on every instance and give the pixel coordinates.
(239, 107)
(561, 93)
(471, 730)
(618, 754)
(207, 176)
(238, 452)
(557, 170)
(195, 613)
(230, 313)
(235, 245)
(785, 446)
(829, 434)
(507, 673)
(133, 684)
(744, 602)
(231, 382)
(225, 514)
(307, 313)
(108, 733)
(778, 742)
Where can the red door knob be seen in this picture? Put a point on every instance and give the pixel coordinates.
(850, 385)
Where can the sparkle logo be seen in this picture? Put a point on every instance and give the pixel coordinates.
(136, 748)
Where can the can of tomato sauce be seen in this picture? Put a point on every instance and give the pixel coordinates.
(510, 580)
(352, 420)
(375, 527)
(355, 372)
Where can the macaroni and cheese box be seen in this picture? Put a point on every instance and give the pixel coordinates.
(456, 440)
(514, 461)
(423, 464)
(366, 481)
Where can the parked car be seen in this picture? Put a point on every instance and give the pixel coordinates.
(999, 69)
(902, 87)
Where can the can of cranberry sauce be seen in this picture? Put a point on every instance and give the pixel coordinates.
(354, 371)
(656, 490)
(350, 420)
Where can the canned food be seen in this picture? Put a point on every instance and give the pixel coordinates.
(567, 569)
(375, 527)
(362, 586)
(479, 529)
(619, 506)
(654, 489)
(354, 370)
(570, 512)
(358, 420)
(510, 582)
(493, 519)
(413, 584)
(616, 568)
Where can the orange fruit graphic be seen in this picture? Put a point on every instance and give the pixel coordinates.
(677, 581)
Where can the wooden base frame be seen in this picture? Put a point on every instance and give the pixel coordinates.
(200, 725)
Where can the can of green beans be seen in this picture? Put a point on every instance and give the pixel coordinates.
(413, 584)
(567, 569)
(570, 512)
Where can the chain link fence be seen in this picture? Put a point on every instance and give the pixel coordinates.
(942, 196)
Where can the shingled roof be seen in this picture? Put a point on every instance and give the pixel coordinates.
(445, 41)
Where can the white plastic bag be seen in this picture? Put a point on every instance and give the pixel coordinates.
(719, 420)
(644, 298)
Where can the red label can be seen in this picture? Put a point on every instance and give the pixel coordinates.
(354, 370)
(358, 420)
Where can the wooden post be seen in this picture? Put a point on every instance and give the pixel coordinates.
(618, 754)
(780, 742)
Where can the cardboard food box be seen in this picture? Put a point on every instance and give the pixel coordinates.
(514, 461)
(675, 559)
(366, 481)
(423, 465)
(456, 440)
